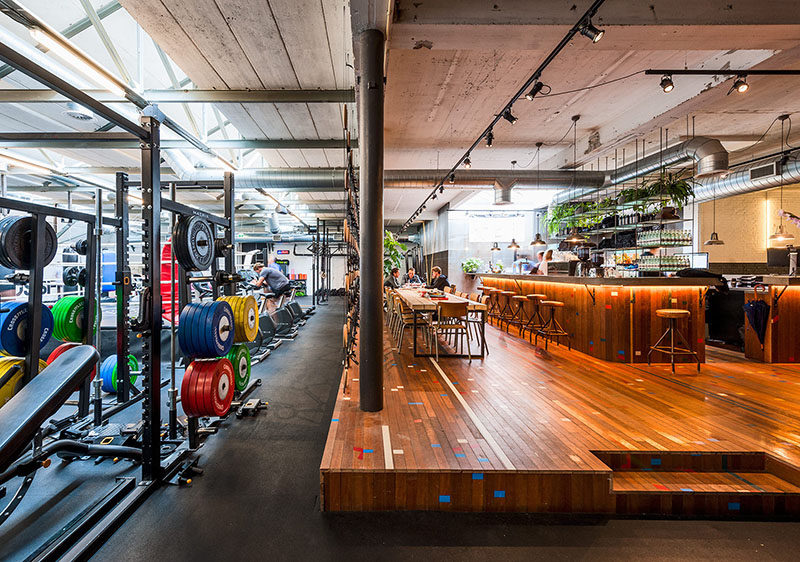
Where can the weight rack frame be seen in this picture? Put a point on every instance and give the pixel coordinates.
(39, 213)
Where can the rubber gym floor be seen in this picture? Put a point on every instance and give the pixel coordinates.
(259, 498)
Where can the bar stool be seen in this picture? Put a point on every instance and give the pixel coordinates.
(518, 311)
(552, 329)
(672, 315)
(505, 311)
(494, 302)
(536, 320)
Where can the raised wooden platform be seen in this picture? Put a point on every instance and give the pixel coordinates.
(567, 433)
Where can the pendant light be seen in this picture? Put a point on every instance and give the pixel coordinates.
(495, 247)
(537, 241)
(781, 237)
(574, 237)
(714, 240)
(513, 245)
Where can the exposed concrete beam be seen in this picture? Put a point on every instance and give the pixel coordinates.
(190, 96)
(655, 25)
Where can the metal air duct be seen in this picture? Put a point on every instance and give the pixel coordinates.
(759, 176)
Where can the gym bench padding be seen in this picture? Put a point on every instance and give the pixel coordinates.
(24, 414)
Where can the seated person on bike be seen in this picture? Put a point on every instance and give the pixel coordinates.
(275, 281)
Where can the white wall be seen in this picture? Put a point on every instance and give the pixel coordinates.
(303, 264)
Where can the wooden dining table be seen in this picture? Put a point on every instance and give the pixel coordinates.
(419, 303)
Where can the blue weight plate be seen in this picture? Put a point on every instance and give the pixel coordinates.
(107, 373)
(191, 314)
(201, 329)
(13, 328)
(224, 343)
(183, 330)
(211, 332)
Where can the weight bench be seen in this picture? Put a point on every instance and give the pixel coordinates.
(22, 417)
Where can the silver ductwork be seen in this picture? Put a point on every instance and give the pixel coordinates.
(502, 193)
(274, 226)
(709, 155)
(763, 175)
(489, 179)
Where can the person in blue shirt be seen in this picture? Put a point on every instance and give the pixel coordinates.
(411, 277)
(271, 263)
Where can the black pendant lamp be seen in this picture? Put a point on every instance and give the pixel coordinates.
(714, 240)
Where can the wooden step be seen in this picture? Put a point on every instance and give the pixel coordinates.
(689, 482)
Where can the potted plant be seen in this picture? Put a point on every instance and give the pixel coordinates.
(393, 252)
(471, 265)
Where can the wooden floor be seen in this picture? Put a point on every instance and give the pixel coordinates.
(566, 432)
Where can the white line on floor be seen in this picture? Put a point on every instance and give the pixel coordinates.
(387, 448)
(478, 423)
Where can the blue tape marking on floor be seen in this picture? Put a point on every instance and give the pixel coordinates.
(499, 493)
(481, 459)
(621, 352)
(477, 475)
(445, 394)
(655, 462)
(415, 403)
(460, 455)
(368, 451)
(591, 342)
(444, 499)
(335, 419)
(686, 490)
(435, 445)
(646, 468)
(747, 482)
(455, 383)
(734, 506)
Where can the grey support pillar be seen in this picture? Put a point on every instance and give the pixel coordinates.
(370, 137)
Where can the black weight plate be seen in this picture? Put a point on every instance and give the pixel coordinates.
(82, 277)
(81, 247)
(193, 241)
(70, 276)
(15, 243)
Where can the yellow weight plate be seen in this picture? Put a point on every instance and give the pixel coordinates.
(245, 317)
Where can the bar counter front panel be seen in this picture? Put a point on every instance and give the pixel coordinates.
(615, 319)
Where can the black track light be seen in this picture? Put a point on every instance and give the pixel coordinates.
(508, 116)
(740, 84)
(489, 139)
(537, 87)
(433, 197)
(666, 83)
(590, 31)
(451, 179)
(467, 163)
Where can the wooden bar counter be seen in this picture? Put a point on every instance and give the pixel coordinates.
(782, 340)
(615, 318)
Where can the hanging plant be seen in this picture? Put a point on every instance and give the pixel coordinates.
(672, 188)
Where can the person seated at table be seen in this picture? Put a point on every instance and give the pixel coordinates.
(438, 279)
(411, 277)
(393, 281)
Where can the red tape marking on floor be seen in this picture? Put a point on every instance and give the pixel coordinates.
(360, 452)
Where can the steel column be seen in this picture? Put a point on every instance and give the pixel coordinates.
(122, 284)
(230, 232)
(151, 338)
(370, 133)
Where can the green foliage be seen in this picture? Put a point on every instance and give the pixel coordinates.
(471, 265)
(667, 190)
(393, 252)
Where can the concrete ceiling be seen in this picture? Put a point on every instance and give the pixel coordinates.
(249, 44)
(450, 68)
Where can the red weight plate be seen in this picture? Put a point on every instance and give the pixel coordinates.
(223, 369)
(186, 392)
(197, 389)
(208, 381)
(61, 349)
